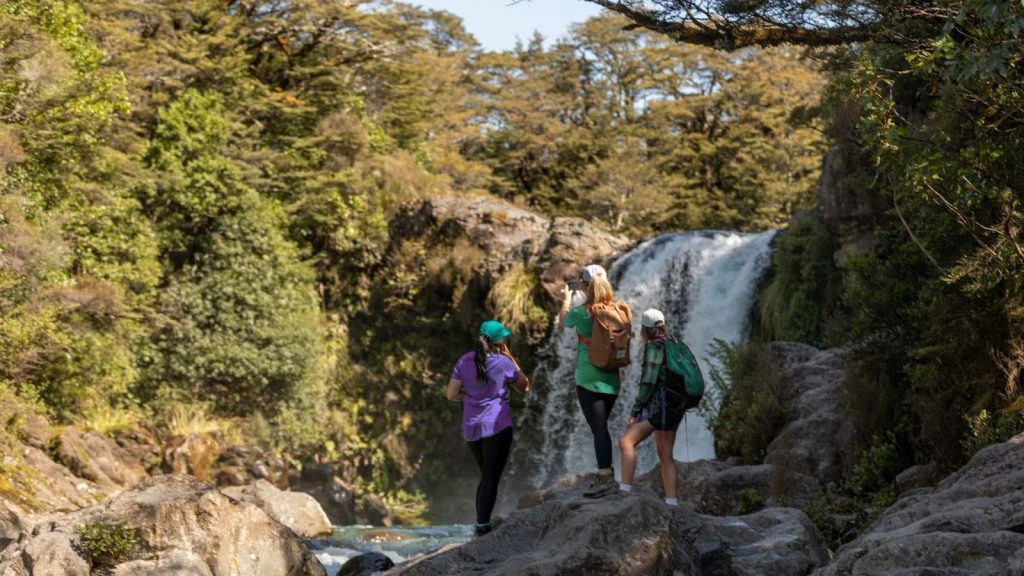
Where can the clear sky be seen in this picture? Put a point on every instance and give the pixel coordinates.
(497, 23)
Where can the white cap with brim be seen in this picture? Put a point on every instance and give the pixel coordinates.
(592, 271)
(652, 318)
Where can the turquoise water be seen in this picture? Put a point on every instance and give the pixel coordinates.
(398, 543)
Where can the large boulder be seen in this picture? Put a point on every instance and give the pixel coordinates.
(571, 244)
(366, 564)
(500, 229)
(504, 236)
(296, 510)
(164, 525)
(971, 523)
(819, 438)
(632, 534)
(33, 488)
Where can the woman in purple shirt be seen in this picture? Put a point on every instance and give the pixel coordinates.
(481, 380)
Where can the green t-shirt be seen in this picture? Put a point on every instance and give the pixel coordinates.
(587, 375)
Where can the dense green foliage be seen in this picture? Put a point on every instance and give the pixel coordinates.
(195, 201)
(803, 285)
(745, 406)
(941, 297)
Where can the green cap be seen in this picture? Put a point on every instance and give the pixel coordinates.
(494, 331)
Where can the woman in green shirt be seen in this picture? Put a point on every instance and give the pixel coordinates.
(596, 389)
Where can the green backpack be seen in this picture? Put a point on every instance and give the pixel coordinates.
(683, 372)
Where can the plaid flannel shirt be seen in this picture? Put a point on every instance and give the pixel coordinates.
(654, 357)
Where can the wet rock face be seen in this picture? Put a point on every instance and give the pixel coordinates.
(970, 524)
(181, 526)
(366, 565)
(631, 534)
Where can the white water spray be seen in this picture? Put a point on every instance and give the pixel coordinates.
(705, 283)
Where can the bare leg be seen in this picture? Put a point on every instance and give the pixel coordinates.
(633, 435)
(665, 442)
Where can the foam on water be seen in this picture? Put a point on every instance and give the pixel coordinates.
(398, 543)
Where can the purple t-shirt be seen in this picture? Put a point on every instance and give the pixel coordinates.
(485, 410)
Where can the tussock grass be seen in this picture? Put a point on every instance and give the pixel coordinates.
(107, 419)
(512, 301)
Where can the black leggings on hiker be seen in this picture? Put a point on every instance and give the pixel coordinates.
(490, 454)
(597, 408)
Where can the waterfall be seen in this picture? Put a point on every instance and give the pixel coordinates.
(705, 283)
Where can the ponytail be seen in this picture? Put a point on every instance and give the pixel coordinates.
(482, 349)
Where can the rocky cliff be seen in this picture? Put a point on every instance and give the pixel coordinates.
(496, 237)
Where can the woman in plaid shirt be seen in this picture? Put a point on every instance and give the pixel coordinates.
(656, 409)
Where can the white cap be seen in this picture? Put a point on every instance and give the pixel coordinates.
(592, 271)
(651, 318)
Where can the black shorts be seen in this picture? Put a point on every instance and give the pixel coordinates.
(666, 408)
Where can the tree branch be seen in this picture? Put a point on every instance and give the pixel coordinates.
(723, 34)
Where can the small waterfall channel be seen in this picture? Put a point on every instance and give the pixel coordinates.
(705, 282)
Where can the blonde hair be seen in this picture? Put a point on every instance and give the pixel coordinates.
(599, 291)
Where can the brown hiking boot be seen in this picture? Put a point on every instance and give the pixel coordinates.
(603, 485)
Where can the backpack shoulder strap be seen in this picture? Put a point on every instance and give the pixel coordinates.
(625, 309)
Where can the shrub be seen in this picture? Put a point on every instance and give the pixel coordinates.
(745, 405)
(106, 543)
(750, 501)
(985, 428)
(877, 467)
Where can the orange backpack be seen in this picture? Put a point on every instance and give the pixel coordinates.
(609, 343)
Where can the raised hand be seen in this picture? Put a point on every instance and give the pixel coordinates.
(566, 292)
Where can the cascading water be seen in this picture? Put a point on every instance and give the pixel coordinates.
(705, 283)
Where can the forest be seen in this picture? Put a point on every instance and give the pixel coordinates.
(195, 199)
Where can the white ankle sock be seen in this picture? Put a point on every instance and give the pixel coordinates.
(627, 488)
(672, 502)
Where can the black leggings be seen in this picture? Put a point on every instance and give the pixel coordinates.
(490, 454)
(597, 408)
